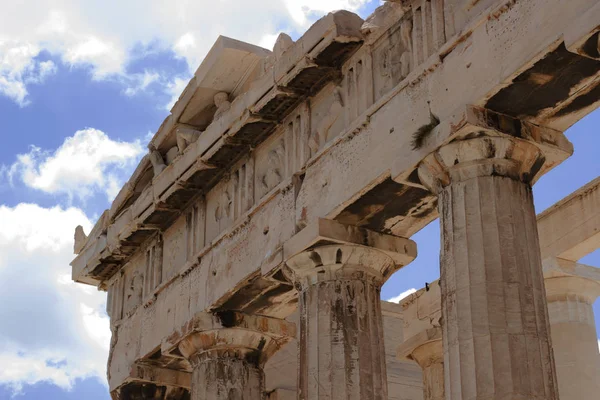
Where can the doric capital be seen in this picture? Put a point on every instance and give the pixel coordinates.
(483, 142)
(231, 334)
(422, 326)
(340, 262)
(565, 279)
(424, 348)
(328, 250)
(481, 156)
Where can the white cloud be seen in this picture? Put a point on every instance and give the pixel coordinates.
(54, 330)
(87, 162)
(19, 68)
(140, 82)
(105, 36)
(185, 43)
(46, 69)
(301, 11)
(174, 89)
(402, 295)
(268, 40)
(105, 57)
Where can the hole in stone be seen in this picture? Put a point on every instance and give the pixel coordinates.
(338, 256)
(315, 258)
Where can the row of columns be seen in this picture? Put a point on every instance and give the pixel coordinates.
(571, 290)
(496, 341)
(341, 350)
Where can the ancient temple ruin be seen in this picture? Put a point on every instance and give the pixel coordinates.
(244, 257)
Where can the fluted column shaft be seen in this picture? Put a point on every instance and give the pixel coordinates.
(430, 357)
(574, 336)
(227, 378)
(341, 348)
(341, 341)
(496, 334)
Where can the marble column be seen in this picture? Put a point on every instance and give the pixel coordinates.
(226, 375)
(430, 358)
(228, 359)
(426, 350)
(422, 338)
(496, 332)
(572, 289)
(342, 355)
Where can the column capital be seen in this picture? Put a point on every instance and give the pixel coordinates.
(328, 250)
(481, 156)
(565, 278)
(423, 338)
(430, 357)
(425, 347)
(340, 262)
(231, 334)
(422, 326)
(491, 144)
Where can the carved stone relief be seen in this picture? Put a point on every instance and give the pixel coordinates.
(358, 85)
(223, 104)
(326, 111)
(80, 239)
(157, 161)
(243, 188)
(286, 152)
(223, 209)
(153, 264)
(114, 303)
(392, 56)
(185, 136)
(194, 230)
(230, 199)
(382, 18)
(174, 249)
(171, 155)
(283, 42)
(134, 286)
(275, 170)
(296, 138)
(218, 210)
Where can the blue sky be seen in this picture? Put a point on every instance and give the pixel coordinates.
(82, 86)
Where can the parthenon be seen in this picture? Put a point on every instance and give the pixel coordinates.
(245, 256)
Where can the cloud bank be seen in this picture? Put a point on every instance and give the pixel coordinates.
(87, 162)
(107, 36)
(53, 330)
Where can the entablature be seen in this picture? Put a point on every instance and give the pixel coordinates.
(282, 158)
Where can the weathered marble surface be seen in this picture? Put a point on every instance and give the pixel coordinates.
(263, 146)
